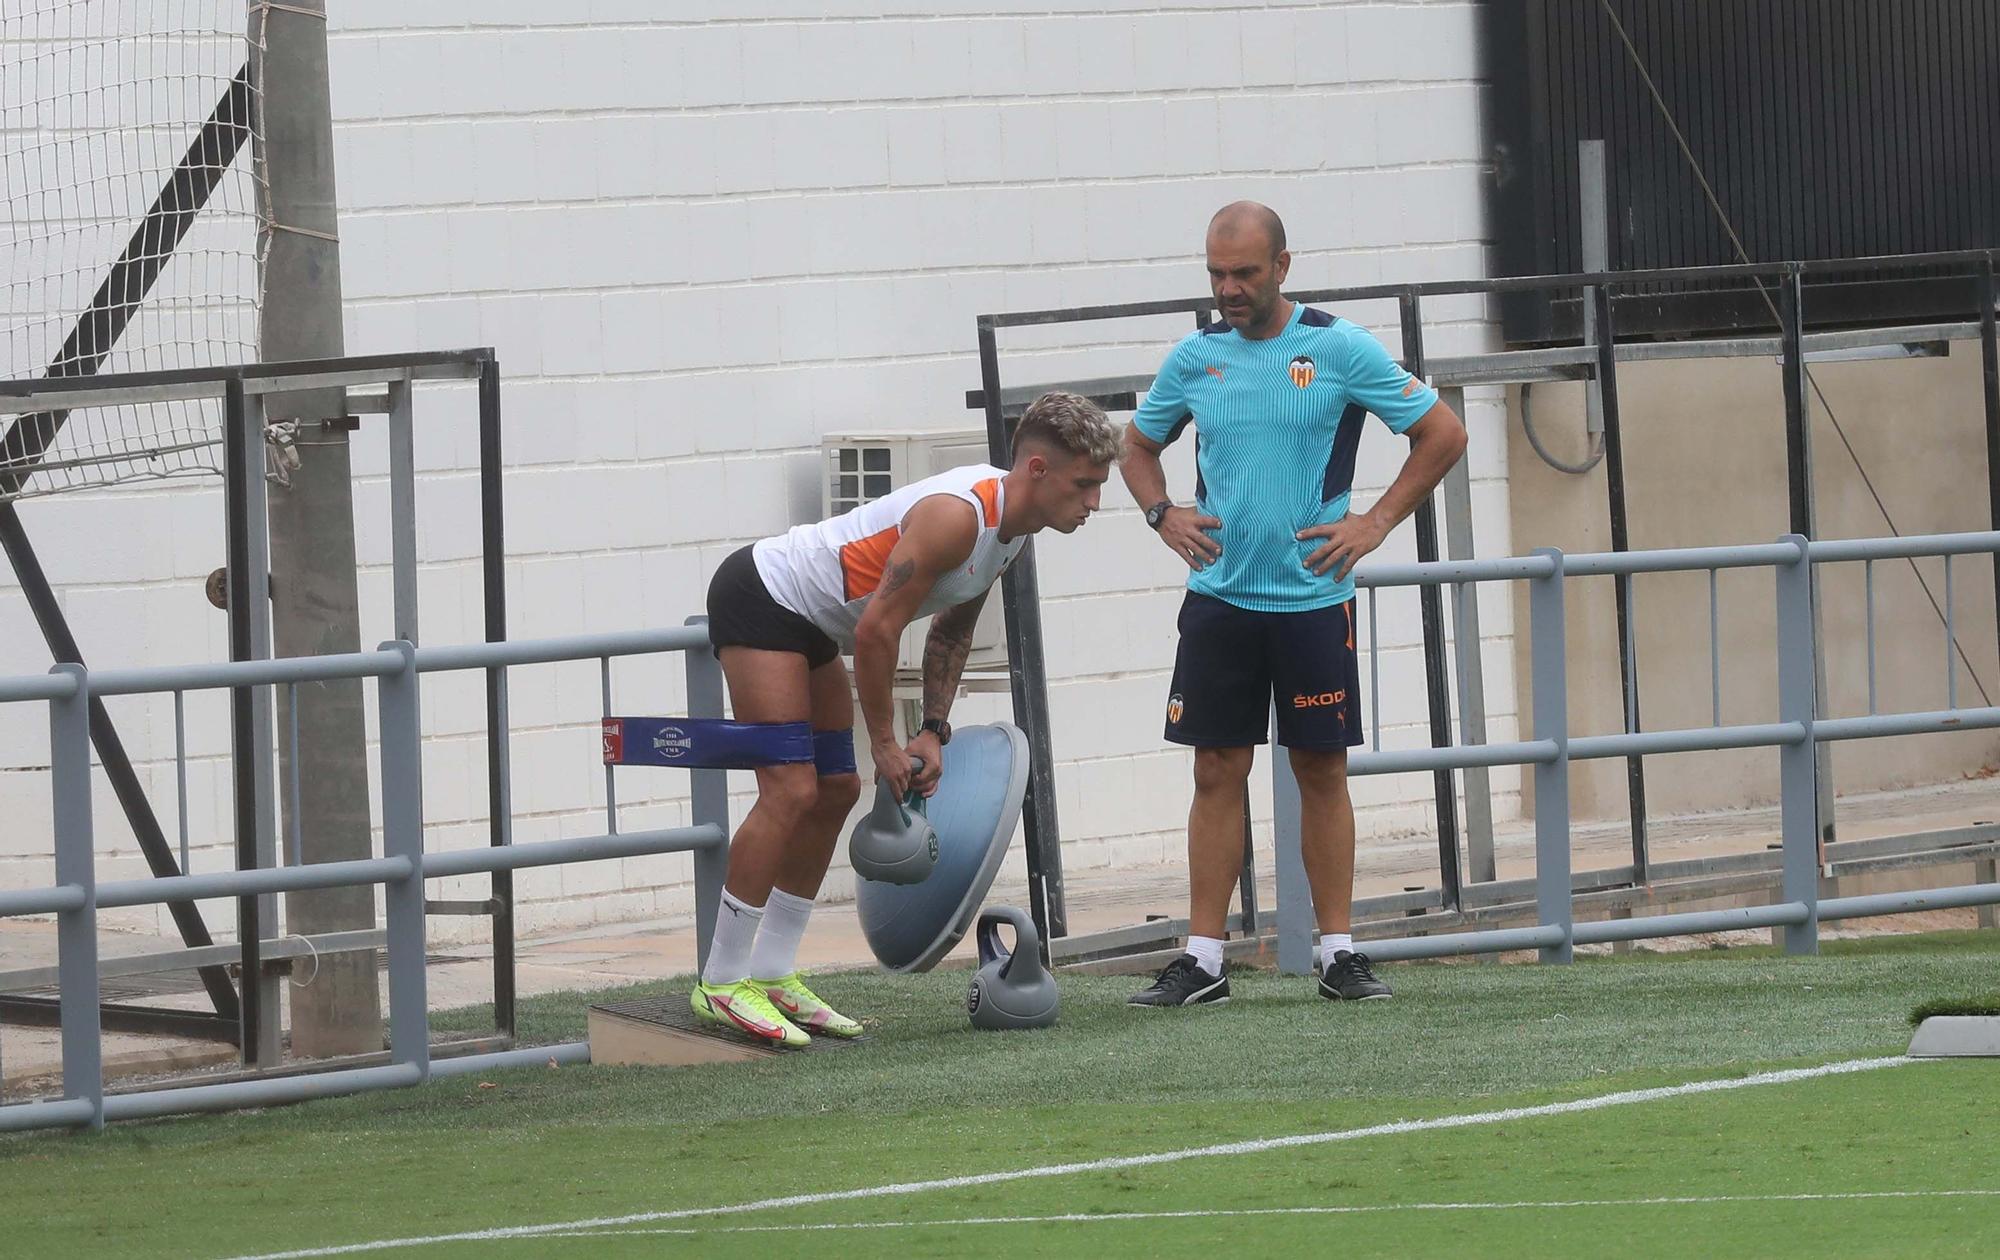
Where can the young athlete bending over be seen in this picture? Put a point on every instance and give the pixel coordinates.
(781, 611)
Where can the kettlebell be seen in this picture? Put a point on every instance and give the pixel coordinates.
(894, 843)
(1010, 990)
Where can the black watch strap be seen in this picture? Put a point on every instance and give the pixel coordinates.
(938, 727)
(1158, 512)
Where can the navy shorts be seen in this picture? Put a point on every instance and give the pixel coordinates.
(1233, 662)
(741, 613)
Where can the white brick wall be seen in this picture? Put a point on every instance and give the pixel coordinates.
(698, 242)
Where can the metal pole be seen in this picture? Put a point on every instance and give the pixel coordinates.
(709, 802)
(1295, 903)
(1621, 540)
(403, 836)
(76, 930)
(1594, 201)
(1798, 795)
(1989, 357)
(1027, 674)
(499, 791)
(1466, 641)
(316, 608)
(1433, 617)
(1799, 482)
(610, 780)
(403, 509)
(1548, 656)
(1798, 436)
(243, 739)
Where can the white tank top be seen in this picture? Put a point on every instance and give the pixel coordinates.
(827, 571)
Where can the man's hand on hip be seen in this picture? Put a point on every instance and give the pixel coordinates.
(1182, 529)
(1347, 540)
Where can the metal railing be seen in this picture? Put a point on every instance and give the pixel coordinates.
(396, 668)
(1552, 747)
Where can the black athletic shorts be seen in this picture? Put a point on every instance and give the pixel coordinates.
(741, 613)
(1233, 662)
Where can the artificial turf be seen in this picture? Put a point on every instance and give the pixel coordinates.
(929, 1097)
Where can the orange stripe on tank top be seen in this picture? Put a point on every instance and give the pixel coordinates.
(862, 561)
(989, 495)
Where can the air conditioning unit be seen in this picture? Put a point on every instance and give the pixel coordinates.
(863, 467)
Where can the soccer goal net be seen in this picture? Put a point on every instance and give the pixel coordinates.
(129, 213)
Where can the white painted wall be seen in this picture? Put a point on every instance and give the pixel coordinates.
(700, 243)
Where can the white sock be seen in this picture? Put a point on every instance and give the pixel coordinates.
(1207, 951)
(1331, 943)
(729, 950)
(776, 952)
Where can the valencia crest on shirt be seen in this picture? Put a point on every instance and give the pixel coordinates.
(1302, 371)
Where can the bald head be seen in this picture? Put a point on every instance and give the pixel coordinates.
(1253, 218)
(1247, 263)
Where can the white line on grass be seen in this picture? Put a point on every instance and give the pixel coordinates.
(1252, 1147)
(1315, 1210)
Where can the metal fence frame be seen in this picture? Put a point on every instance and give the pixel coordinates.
(396, 667)
(373, 385)
(1797, 734)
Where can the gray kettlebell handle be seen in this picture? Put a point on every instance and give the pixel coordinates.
(903, 807)
(987, 937)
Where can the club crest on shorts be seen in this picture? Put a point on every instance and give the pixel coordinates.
(1174, 708)
(1302, 371)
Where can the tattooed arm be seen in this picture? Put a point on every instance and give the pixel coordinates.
(945, 650)
(937, 537)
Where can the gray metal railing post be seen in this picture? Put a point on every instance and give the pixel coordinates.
(1798, 764)
(709, 801)
(1288, 865)
(403, 836)
(1989, 380)
(403, 509)
(1547, 640)
(76, 930)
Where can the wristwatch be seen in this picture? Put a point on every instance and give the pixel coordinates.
(938, 727)
(1158, 512)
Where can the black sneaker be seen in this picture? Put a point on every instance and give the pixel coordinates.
(1351, 979)
(1183, 983)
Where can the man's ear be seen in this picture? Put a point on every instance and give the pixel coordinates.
(1283, 266)
(1038, 465)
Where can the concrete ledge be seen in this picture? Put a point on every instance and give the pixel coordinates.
(1957, 1037)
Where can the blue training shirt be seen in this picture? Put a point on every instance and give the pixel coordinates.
(1277, 423)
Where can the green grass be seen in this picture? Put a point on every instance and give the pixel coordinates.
(1989, 1004)
(929, 1097)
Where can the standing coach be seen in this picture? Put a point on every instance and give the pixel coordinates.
(1278, 394)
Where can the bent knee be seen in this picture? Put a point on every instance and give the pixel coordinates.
(790, 791)
(839, 792)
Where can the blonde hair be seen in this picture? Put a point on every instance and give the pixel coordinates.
(1070, 423)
